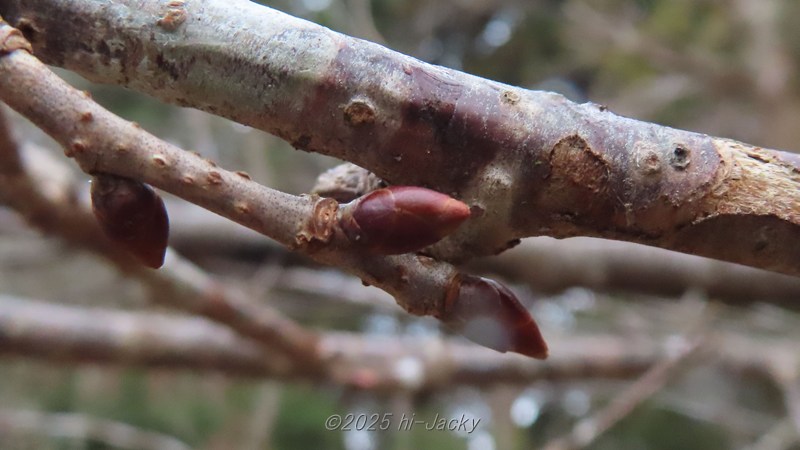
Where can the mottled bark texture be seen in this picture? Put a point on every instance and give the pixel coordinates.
(528, 163)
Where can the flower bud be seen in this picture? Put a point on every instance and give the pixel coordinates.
(401, 219)
(132, 215)
(488, 313)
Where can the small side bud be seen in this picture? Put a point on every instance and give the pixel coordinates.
(401, 219)
(132, 215)
(488, 313)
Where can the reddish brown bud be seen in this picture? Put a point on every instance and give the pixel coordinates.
(488, 313)
(401, 219)
(132, 215)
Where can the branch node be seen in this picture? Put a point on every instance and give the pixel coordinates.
(359, 111)
(319, 227)
(11, 40)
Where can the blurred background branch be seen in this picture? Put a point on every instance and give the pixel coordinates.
(611, 310)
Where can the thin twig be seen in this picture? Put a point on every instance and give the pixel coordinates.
(589, 429)
(654, 379)
(179, 284)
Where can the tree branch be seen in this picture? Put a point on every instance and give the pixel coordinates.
(71, 334)
(179, 284)
(528, 163)
(101, 142)
(551, 266)
(547, 265)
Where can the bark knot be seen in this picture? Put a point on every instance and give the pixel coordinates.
(319, 227)
(359, 112)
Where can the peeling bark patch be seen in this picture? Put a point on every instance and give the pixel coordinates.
(359, 112)
(572, 158)
(759, 155)
(510, 97)
(755, 185)
(569, 184)
(173, 17)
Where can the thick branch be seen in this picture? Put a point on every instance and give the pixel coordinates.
(529, 163)
(551, 266)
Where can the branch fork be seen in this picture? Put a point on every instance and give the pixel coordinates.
(370, 237)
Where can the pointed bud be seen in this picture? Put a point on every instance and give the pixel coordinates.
(488, 313)
(401, 219)
(132, 215)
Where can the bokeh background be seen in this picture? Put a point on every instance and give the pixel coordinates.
(723, 67)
